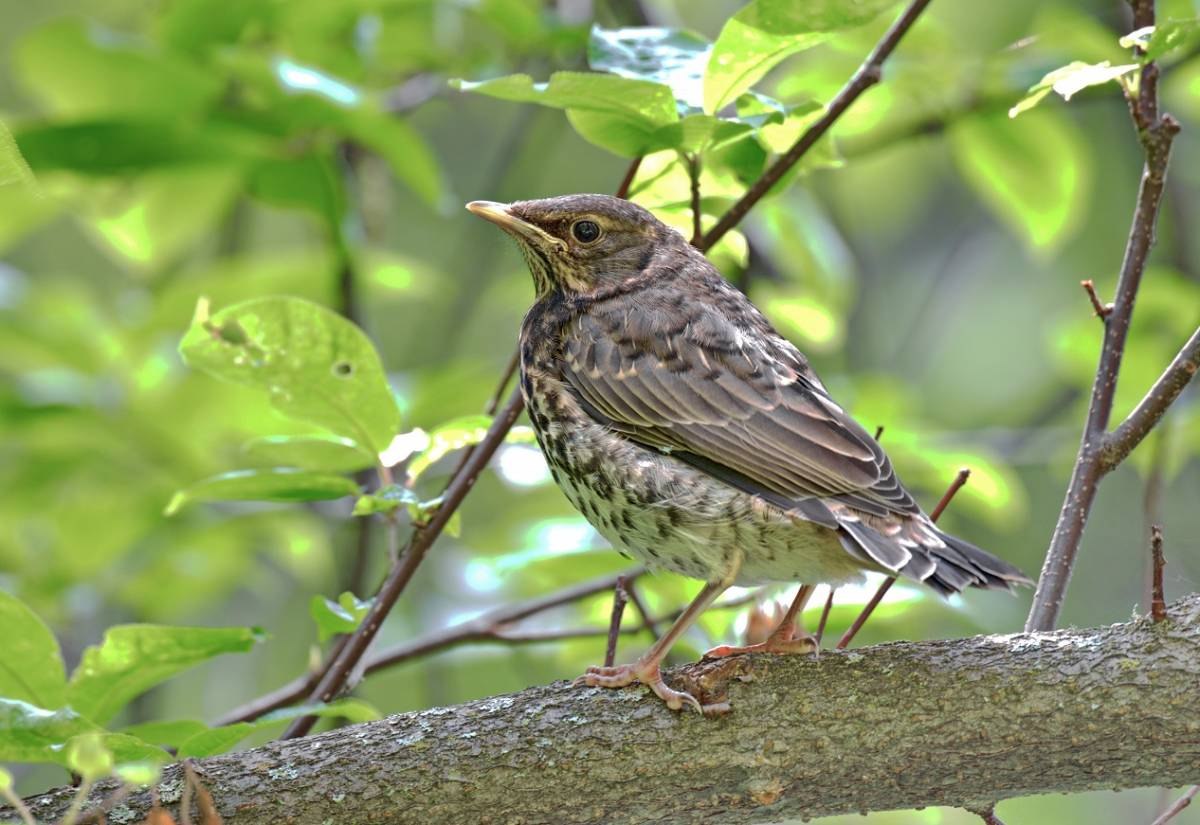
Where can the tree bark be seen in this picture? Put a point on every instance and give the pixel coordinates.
(965, 722)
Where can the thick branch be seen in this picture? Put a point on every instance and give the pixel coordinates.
(963, 722)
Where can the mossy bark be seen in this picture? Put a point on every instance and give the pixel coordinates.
(961, 722)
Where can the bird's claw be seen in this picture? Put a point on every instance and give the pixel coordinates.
(624, 675)
(774, 644)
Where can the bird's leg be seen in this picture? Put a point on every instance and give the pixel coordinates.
(783, 639)
(646, 668)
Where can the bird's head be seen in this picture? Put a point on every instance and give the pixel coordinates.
(579, 244)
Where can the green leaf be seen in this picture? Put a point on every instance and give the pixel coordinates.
(14, 171)
(308, 181)
(169, 734)
(317, 366)
(457, 434)
(79, 69)
(765, 32)
(619, 114)
(385, 500)
(1031, 172)
(134, 658)
(342, 616)
(672, 57)
(32, 734)
(326, 453)
(1157, 41)
(222, 739)
(272, 484)
(31, 665)
(1070, 79)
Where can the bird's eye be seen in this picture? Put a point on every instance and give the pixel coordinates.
(585, 231)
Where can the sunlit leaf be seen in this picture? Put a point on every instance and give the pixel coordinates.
(673, 57)
(325, 453)
(134, 658)
(765, 32)
(170, 734)
(32, 734)
(1157, 41)
(1069, 80)
(270, 484)
(621, 114)
(88, 756)
(316, 366)
(14, 171)
(1032, 172)
(31, 665)
(342, 616)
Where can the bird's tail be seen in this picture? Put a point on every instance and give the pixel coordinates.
(946, 563)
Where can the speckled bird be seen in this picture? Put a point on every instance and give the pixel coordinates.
(693, 436)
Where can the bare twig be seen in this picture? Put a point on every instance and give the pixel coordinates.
(627, 181)
(335, 677)
(879, 432)
(868, 74)
(988, 815)
(693, 169)
(635, 598)
(509, 371)
(1102, 310)
(820, 634)
(1180, 803)
(1158, 605)
(620, 597)
(1099, 451)
(959, 480)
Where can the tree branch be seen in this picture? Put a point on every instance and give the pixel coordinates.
(868, 74)
(962, 722)
(1156, 131)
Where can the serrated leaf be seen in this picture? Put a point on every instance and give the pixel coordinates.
(1069, 80)
(315, 365)
(327, 453)
(273, 484)
(673, 57)
(765, 32)
(134, 658)
(31, 665)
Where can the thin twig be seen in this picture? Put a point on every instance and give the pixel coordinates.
(1180, 803)
(959, 480)
(868, 74)
(988, 815)
(1102, 310)
(1099, 451)
(627, 181)
(509, 371)
(335, 677)
(693, 170)
(1158, 605)
(820, 634)
(879, 432)
(620, 597)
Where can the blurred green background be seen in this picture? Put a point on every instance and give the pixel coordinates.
(928, 261)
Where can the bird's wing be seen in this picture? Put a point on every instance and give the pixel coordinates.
(741, 404)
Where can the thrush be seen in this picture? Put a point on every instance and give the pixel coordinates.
(696, 438)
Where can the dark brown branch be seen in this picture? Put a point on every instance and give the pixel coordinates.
(620, 597)
(635, 598)
(1097, 455)
(1118, 444)
(1178, 806)
(988, 815)
(868, 74)
(509, 371)
(959, 480)
(820, 634)
(1006, 716)
(693, 169)
(627, 181)
(1158, 604)
(335, 678)
(1102, 310)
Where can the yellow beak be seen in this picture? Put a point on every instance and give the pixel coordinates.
(499, 214)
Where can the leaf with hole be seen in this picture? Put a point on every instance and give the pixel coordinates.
(315, 365)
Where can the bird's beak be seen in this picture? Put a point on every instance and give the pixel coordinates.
(499, 214)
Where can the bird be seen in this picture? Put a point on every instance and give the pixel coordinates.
(697, 439)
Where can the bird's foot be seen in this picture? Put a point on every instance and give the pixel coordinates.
(775, 643)
(646, 673)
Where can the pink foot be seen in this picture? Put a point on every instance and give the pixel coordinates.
(649, 675)
(774, 644)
